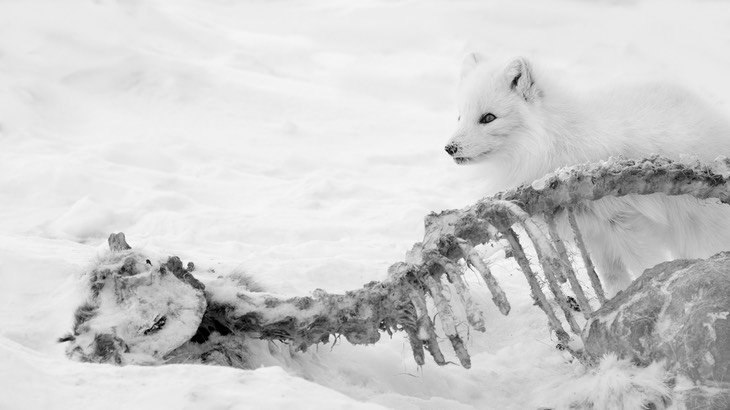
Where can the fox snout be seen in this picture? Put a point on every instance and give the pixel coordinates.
(451, 148)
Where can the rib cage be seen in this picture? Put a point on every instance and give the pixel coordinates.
(451, 235)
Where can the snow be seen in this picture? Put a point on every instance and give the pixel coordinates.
(300, 142)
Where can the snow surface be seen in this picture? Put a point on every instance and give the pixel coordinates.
(300, 142)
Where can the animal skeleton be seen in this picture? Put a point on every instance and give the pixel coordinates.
(400, 302)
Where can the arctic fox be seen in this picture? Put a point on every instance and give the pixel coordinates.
(524, 126)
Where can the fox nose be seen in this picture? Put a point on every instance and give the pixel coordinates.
(451, 148)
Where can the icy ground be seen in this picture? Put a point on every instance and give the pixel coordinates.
(299, 142)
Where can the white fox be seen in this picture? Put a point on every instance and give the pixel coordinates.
(524, 126)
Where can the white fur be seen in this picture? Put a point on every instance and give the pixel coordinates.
(617, 385)
(541, 127)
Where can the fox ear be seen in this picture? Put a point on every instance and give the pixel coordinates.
(470, 61)
(521, 80)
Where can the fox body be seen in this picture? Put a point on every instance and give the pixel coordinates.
(523, 126)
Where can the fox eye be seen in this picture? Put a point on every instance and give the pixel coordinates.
(487, 118)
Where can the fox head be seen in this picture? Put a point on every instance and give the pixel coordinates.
(496, 108)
